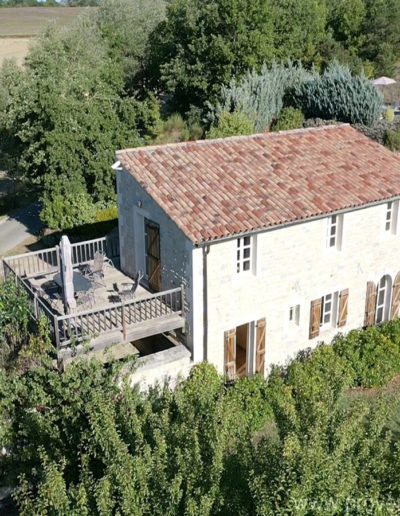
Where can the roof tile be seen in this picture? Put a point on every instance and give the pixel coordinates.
(215, 188)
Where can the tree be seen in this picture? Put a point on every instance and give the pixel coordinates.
(259, 97)
(202, 45)
(382, 35)
(67, 111)
(298, 29)
(337, 94)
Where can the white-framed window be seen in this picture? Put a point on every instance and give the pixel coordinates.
(294, 315)
(243, 254)
(329, 308)
(383, 299)
(391, 215)
(334, 232)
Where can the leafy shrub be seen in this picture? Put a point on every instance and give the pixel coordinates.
(250, 399)
(67, 211)
(339, 95)
(373, 356)
(259, 96)
(388, 114)
(318, 380)
(231, 124)
(105, 214)
(14, 319)
(392, 140)
(289, 118)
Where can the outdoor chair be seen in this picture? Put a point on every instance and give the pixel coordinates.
(95, 271)
(129, 289)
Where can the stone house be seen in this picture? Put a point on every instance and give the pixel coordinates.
(280, 239)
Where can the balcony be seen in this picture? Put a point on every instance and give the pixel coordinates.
(109, 320)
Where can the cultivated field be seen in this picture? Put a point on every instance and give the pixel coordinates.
(19, 25)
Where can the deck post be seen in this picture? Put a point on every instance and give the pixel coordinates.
(123, 322)
(35, 305)
(56, 335)
(183, 299)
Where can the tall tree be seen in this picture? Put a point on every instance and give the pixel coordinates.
(298, 29)
(201, 45)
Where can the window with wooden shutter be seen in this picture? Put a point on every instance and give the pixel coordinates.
(343, 304)
(315, 318)
(370, 304)
(394, 311)
(260, 346)
(230, 353)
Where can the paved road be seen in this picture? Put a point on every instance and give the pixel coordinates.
(16, 228)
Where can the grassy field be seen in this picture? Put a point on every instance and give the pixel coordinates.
(19, 25)
(28, 21)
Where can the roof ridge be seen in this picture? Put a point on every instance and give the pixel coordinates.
(206, 142)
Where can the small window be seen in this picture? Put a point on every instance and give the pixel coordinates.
(334, 234)
(243, 254)
(383, 299)
(294, 315)
(329, 309)
(392, 209)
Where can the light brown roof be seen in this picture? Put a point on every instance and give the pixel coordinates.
(217, 188)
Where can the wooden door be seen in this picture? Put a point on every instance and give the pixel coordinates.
(153, 260)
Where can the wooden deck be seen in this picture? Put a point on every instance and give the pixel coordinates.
(109, 319)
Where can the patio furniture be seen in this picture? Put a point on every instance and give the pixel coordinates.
(85, 299)
(96, 269)
(129, 289)
(81, 283)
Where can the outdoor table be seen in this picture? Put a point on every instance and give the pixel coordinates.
(81, 284)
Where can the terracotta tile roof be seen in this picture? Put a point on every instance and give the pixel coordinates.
(216, 188)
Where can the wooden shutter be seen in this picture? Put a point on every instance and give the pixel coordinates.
(315, 318)
(370, 304)
(394, 311)
(230, 353)
(260, 346)
(343, 303)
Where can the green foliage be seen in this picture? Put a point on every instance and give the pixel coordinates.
(108, 213)
(388, 114)
(82, 438)
(14, 318)
(373, 356)
(392, 140)
(84, 442)
(289, 118)
(340, 95)
(202, 45)
(298, 29)
(67, 110)
(259, 96)
(68, 210)
(231, 124)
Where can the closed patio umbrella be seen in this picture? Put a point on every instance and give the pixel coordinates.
(67, 274)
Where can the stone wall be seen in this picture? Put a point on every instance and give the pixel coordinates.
(293, 266)
(165, 367)
(134, 205)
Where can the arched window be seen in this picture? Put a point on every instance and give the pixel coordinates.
(383, 298)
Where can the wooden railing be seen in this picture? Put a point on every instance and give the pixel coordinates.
(83, 252)
(47, 261)
(77, 327)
